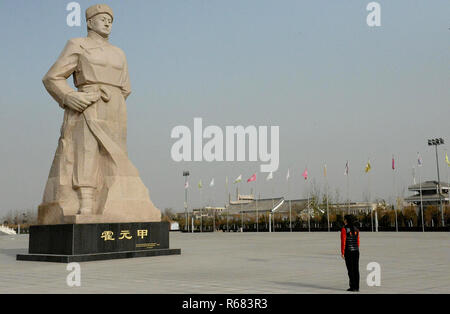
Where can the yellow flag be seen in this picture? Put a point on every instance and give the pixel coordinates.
(446, 159)
(325, 170)
(368, 167)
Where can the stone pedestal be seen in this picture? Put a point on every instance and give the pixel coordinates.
(97, 241)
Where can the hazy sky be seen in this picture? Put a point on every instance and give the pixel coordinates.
(338, 89)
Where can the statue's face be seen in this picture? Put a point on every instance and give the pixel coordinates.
(101, 24)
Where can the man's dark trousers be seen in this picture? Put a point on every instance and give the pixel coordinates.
(352, 263)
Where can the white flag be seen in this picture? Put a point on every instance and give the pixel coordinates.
(212, 182)
(186, 185)
(287, 176)
(270, 176)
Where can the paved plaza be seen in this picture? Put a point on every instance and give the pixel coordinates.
(244, 263)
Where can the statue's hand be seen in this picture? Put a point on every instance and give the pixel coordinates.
(79, 101)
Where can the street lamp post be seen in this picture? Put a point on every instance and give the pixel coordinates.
(435, 142)
(186, 175)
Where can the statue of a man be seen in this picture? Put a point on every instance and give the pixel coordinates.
(91, 178)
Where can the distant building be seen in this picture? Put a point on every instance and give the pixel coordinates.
(174, 226)
(247, 204)
(430, 194)
(355, 207)
(208, 211)
(6, 230)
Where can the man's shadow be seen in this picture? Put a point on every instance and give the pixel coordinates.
(307, 285)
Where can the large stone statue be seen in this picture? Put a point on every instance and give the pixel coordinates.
(91, 179)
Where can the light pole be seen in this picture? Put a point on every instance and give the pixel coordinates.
(186, 175)
(435, 142)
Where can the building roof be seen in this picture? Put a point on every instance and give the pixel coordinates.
(299, 203)
(427, 198)
(428, 185)
(263, 205)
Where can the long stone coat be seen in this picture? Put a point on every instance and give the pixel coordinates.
(92, 150)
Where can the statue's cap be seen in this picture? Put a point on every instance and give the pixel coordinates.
(98, 9)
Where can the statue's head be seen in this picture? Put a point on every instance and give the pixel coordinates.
(99, 19)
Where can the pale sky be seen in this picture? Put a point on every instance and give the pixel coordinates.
(338, 90)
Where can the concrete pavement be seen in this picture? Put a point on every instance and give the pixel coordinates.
(244, 263)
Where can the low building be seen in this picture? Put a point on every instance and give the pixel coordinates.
(174, 226)
(355, 207)
(208, 211)
(248, 205)
(430, 194)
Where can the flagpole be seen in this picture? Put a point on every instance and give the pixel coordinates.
(448, 166)
(309, 220)
(348, 193)
(227, 198)
(395, 211)
(270, 221)
(368, 196)
(290, 209)
(242, 212)
(201, 210)
(328, 215)
(257, 216)
(395, 193)
(186, 227)
(209, 202)
(273, 205)
(214, 209)
(421, 200)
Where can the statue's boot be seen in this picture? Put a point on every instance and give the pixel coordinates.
(86, 200)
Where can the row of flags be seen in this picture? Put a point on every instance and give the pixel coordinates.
(367, 169)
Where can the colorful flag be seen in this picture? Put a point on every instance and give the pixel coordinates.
(368, 167)
(270, 176)
(287, 176)
(186, 185)
(238, 179)
(305, 174)
(393, 163)
(252, 178)
(200, 185)
(212, 182)
(419, 160)
(346, 169)
(325, 170)
(446, 159)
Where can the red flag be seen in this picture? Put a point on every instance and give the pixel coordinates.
(393, 163)
(252, 178)
(305, 174)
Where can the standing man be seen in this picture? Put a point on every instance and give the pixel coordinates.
(350, 250)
